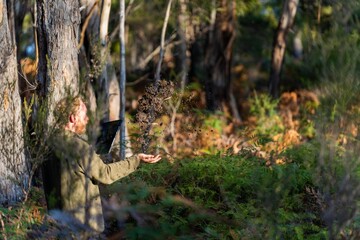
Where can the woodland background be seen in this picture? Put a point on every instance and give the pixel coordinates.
(253, 104)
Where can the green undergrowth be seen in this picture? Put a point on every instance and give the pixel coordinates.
(222, 197)
(17, 219)
(215, 197)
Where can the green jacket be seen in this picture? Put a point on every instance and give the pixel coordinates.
(81, 169)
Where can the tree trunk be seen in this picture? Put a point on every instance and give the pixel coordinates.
(96, 51)
(122, 78)
(157, 75)
(104, 79)
(277, 57)
(182, 63)
(58, 71)
(219, 55)
(13, 170)
(11, 19)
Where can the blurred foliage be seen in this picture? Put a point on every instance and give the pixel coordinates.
(263, 108)
(218, 198)
(16, 220)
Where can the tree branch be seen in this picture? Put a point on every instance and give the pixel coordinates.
(143, 63)
(162, 44)
(86, 23)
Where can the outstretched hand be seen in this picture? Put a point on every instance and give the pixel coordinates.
(149, 158)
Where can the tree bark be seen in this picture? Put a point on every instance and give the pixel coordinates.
(58, 32)
(13, 169)
(90, 18)
(218, 56)
(11, 19)
(279, 46)
(122, 78)
(182, 62)
(105, 77)
(97, 54)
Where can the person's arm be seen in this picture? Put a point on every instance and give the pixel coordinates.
(94, 167)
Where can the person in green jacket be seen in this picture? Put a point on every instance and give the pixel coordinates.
(76, 191)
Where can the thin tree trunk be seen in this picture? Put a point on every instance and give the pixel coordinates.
(319, 12)
(11, 19)
(277, 57)
(183, 59)
(210, 101)
(122, 77)
(104, 79)
(162, 44)
(104, 22)
(219, 55)
(13, 171)
(58, 72)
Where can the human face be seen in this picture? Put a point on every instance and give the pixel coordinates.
(81, 119)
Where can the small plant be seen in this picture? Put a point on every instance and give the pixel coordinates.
(268, 122)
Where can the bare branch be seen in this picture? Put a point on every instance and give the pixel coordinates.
(143, 63)
(140, 79)
(86, 23)
(162, 45)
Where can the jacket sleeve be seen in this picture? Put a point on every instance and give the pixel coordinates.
(93, 166)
